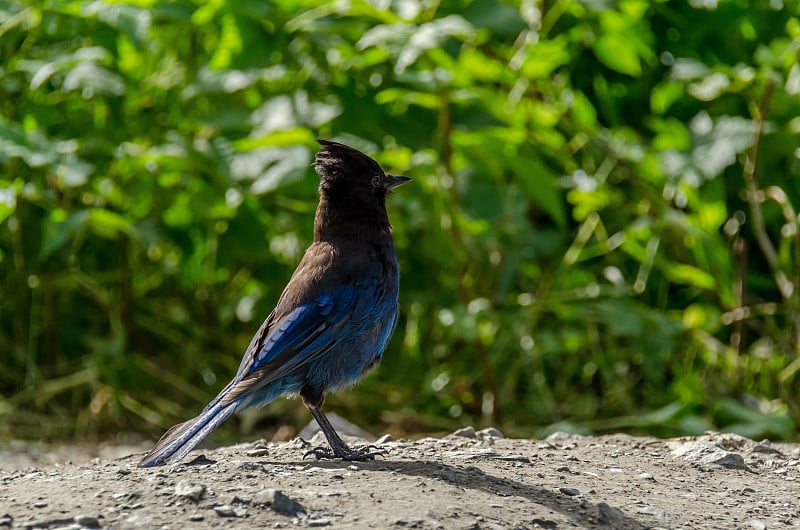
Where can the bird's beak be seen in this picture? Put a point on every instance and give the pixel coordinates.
(393, 181)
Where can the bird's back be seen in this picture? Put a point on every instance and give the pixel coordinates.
(352, 289)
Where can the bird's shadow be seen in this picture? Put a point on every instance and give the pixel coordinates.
(597, 514)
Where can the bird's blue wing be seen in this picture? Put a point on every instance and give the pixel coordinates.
(303, 334)
(300, 327)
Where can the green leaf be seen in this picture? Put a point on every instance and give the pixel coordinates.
(618, 52)
(108, 224)
(294, 136)
(540, 185)
(544, 56)
(57, 232)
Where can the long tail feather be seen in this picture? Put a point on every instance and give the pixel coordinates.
(183, 437)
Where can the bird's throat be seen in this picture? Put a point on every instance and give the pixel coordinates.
(336, 220)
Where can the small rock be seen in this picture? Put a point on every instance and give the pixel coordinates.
(6, 520)
(196, 517)
(490, 432)
(190, 490)
(260, 451)
(709, 453)
(466, 432)
(279, 502)
(765, 446)
(755, 524)
(226, 510)
(544, 523)
(645, 476)
(411, 522)
(386, 438)
(40, 504)
(572, 492)
(236, 499)
(87, 521)
(297, 443)
(320, 522)
(607, 515)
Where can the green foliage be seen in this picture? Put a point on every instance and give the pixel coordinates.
(602, 232)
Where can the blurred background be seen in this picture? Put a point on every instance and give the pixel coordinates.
(601, 235)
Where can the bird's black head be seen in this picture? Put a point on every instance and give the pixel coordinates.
(347, 171)
(353, 190)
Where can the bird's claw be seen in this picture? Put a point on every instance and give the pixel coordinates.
(357, 453)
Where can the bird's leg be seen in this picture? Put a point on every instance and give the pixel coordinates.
(338, 449)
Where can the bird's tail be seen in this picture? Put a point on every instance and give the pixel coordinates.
(183, 437)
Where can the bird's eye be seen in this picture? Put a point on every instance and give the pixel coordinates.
(376, 181)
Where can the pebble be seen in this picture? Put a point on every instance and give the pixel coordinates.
(320, 522)
(709, 453)
(765, 446)
(279, 502)
(190, 490)
(386, 438)
(466, 432)
(87, 521)
(6, 520)
(410, 522)
(226, 510)
(258, 448)
(645, 476)
(755, 524)
(40, 504)
(297, 443)
(572, 492)
(490, 432)
(606, 514)
(196, 517)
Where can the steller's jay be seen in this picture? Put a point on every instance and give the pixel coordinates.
(334, 318)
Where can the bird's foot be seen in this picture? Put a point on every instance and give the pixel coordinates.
(357, 453)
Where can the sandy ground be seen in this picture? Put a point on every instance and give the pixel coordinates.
(467, 480)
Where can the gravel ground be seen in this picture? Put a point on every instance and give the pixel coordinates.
(467, 480)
